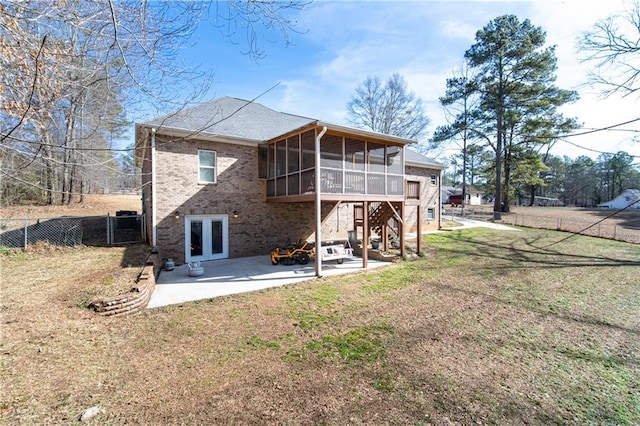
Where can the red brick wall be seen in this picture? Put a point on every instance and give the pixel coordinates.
(429, 198)
(259, 226)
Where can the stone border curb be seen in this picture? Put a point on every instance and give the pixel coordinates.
(139, 295)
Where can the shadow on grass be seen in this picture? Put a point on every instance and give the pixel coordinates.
(452, 397)
(629, 218)
(540, 339)
(534, 255)
(529, 305)
(507, 257)
(71, 231)
(135, 255)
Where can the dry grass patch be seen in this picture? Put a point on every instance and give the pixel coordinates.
(628, 217)
(490, 328)
(93, 205)
(447, 224)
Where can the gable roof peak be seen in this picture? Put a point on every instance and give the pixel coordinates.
(238, 119)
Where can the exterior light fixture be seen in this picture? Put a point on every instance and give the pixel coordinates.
(235, 214)
(177, 214)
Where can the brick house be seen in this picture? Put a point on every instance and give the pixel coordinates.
(233, 178)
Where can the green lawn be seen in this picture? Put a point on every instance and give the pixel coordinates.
(490, 327)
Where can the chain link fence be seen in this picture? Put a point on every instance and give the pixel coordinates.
(611, 231)
(72, 231)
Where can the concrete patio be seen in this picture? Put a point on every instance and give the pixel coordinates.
(241, 275)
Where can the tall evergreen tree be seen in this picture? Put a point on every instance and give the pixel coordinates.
(580, 182)
(514, 76)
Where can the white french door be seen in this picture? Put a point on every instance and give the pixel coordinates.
(206, 237)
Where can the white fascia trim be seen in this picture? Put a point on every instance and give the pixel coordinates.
(366, 133)
(423, 165)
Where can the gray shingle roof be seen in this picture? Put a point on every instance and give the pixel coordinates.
(413, 158)
(235, 118)
(231, 117)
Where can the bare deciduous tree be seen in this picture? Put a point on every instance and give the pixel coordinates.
(71, 70)
(613, 45)
(459, 102)
(388, 108)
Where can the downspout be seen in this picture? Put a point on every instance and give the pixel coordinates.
(318, 204)
(154, 215)
(439, 203)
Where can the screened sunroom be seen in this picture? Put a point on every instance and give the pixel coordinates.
(352, 166)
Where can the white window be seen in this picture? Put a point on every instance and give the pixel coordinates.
(430, 214)
(207, 166)
(434, 179)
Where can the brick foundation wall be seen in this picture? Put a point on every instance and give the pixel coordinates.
(259, 226)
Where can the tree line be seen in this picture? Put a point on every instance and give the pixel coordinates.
(69, 70)
(578, 182)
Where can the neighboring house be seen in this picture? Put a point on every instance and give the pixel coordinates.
(233, 178)
(474, 197)
(453, 196)
(446, 193)
(547, 201)
(623, 200)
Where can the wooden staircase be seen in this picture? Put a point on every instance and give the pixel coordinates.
(379, 217)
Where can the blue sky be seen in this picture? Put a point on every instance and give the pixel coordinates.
(343, 42)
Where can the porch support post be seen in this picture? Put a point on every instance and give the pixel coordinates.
(419, 231)
(385, 237)
(365, 234)
(439, 200)
(402, 231)
(154, 200)
(318, 204)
